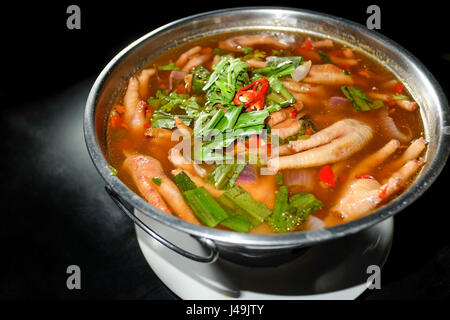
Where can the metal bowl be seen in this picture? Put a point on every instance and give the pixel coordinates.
(251, 248)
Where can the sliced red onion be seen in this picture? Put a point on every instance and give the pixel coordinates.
(338, 101)
(174, 76)
(301, 71)
(314, 223)
(305, 178)
(248, 175)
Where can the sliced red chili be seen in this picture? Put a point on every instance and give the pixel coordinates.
(326, 175)
(120, 109)
(307, 45)
(181, 88)
(344, 66)
(383, 192)
(147, 125)
(254, 94)
(391, 103)
(337, 53)
(115, 121)
(294, 114)
(398, 87)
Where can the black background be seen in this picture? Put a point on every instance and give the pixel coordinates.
(54, 210)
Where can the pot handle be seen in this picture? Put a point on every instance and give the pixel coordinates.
(213, 255)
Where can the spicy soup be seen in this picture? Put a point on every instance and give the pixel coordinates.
(265, 133)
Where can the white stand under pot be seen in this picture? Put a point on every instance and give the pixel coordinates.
(336, 269)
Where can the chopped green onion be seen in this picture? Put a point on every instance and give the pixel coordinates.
(289, 215)
(205, 206)
(229, 119)
(183, 182)
(237, 223)
(279, 178)
(239, 201)
(398, 96)
(250, 119)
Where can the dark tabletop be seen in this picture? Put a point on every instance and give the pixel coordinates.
(55, 212)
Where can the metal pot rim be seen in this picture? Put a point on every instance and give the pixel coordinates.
(270, 241)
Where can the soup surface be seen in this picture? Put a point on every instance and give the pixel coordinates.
(265, 133)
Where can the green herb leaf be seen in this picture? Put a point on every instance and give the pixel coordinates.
(220, 52)
(229, 75)
(326, 58)
(360, 101)
(200, 78)
(161, 119)
(289, 215)
(170, 66)
(399, 96)
(279, 178)
(170, 101)
(157, 181)
(279, 67)
(223, 176)
(113, 170)
(255, 55)
(280, 53)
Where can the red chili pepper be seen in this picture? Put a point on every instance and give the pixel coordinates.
(326, 175)
(115, 121)
(147, 125)
(391, 103)
(181, 88)
(383, 192)
(308, 131)
(345, 67)
(294, 114)
(254, 94)
(337, 53)
(249, 144)
(398, 87)
(120, 109)
(307, 44)
(364, 176)
(312, 85)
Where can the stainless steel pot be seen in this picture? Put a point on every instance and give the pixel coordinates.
(250, 248)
